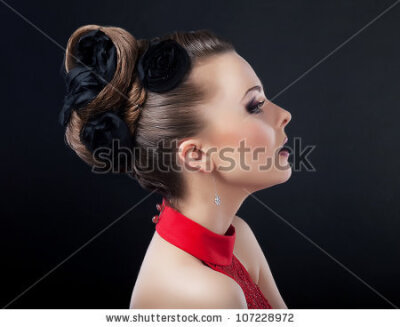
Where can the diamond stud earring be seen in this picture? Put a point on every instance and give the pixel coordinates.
(217, 199)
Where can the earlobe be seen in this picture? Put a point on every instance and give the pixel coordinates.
(187, 156)
(203, 159)
(193, 157)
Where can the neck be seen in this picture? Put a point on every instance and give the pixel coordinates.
(198, 203)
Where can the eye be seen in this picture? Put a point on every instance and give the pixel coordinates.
(254, 108)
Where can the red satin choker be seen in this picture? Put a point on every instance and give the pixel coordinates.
(194, 238)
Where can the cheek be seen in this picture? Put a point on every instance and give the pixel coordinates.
(256, 137)
(259, 136)
(251, 133)
(259, 140)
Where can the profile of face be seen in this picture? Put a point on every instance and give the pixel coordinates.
(244, 131)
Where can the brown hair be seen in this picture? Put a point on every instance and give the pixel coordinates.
(166, 117)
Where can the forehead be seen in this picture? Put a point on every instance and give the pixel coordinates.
(225, 76)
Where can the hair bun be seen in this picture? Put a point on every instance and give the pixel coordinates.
(96, 59)
(101, 131)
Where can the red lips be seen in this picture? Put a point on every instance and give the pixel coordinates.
(283, 146)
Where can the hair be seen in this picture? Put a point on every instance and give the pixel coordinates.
(151, 117)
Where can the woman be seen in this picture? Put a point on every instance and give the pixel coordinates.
(187, 117)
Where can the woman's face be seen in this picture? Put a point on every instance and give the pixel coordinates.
(244, 131)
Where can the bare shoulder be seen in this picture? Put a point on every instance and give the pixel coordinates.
(243, 229)
(242, 225)
(191, 288)
(265, 281)
(245, 236)
(247, 247)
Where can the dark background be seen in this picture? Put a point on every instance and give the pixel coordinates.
(348, 107)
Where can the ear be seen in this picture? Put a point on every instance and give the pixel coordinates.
(192, 155)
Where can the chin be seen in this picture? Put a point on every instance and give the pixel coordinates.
(278, 178)
(286, 175)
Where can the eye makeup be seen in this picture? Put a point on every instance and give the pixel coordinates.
(254, 107)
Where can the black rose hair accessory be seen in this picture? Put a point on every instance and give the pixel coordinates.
(101, 131)
(163, 65)
(96, 65)
(160, 68)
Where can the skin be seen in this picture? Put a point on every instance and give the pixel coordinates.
(227, 122)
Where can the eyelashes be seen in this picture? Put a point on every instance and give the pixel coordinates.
(254, 108)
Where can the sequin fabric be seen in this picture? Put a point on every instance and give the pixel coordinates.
(214, 250)
(254, 297)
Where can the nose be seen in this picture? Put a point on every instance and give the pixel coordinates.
(284, 117)
(287, 117)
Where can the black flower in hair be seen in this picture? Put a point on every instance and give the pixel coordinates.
(163, 65)
(108, 138)
(96, 64)
(101, 131)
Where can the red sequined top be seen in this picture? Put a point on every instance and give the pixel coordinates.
(214, 250)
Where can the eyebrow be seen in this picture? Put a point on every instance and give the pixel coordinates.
(253, 88)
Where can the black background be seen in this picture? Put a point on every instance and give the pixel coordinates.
(334, 242)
